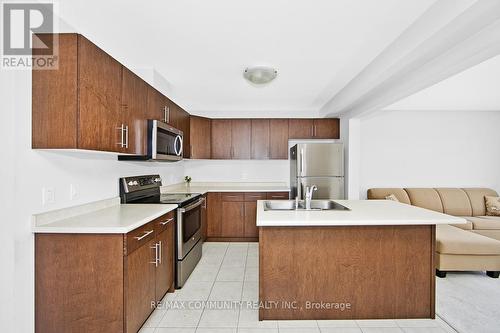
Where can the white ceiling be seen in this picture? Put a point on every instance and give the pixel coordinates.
(202, 47)
(475, 89)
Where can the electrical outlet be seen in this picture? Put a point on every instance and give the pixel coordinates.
(73, 191)
(48, 195)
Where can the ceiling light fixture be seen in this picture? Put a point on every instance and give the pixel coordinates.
(260, 74)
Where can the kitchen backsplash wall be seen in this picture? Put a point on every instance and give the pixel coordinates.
(237, 171)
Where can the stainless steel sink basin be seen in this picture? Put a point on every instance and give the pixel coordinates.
(315, 205)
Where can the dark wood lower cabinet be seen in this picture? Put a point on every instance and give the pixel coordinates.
(232, 216)
(251, 229)
(102, 282)
(139, 286)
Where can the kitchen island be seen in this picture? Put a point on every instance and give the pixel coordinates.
(373, 261)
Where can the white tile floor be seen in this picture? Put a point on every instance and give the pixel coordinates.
(229, 272)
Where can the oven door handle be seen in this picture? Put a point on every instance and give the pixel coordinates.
(192, 206)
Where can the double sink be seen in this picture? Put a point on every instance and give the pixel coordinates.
(301, 205)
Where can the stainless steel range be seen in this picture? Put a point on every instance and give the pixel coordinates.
(188, 249)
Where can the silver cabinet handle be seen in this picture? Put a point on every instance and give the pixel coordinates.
(156, 255)
(165, 222)
(314, 130)
(159, 252)
(146, 234)
(166, 114)
(122, 132)
(277, 196)
(126, 136)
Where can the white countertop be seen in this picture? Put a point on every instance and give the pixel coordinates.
(225, 187)
(363, 212)
(115, 219)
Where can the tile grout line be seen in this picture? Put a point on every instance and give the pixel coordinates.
(213, 284)
(242, 287)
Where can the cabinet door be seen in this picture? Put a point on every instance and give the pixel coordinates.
(165, 269)
(260, 139)
(278, 139)
(200, 132)
(158, 106)
(240, 139)
(214, 226)
(139, 285)
(300, 129)
(327, 128)
(221, 139)
(99, 87)
(183, 125)
(134, 102)
(251, 229)
(233, 219)
(204, 219)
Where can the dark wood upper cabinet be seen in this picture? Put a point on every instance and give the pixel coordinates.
(134, 104)
(55, 98)
(183, 124)
(221, 139)
(240, 139)
(300, 128)
(278, 139)
(159, 107)
(326, 128)
(260, 139)
(101, 116)
(200, 134)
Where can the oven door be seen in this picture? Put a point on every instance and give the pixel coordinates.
(188, 227)
(166, 141)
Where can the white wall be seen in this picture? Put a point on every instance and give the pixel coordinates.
(430, 149)
(237, 171)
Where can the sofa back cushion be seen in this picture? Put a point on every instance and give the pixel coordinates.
(455, 201)
(381, 193)
(426, 198)
(476, 198)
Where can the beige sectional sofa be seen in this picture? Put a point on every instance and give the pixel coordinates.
(474, 246)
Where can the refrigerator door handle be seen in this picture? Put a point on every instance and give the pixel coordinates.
(301, 171)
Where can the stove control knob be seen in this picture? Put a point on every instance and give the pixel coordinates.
(157, 180)
(132, 183)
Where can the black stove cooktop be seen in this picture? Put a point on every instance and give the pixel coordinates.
(146, 189)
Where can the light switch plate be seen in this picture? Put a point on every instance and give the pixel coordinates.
(73, 191)
(48, 195)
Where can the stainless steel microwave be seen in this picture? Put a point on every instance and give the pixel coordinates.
(164, 141)
(164, 144)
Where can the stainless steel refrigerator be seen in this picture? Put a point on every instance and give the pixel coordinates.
(320, 164)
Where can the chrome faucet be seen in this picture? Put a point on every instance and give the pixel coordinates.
(309, 195)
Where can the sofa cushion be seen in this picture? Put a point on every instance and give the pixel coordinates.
(465, 226)
(492, 205)
(425, 198)
(455, 201)
(476, 197)
(486, 222)
(382, 193)
(452, 240)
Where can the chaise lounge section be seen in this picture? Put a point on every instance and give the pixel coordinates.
(474, 246)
